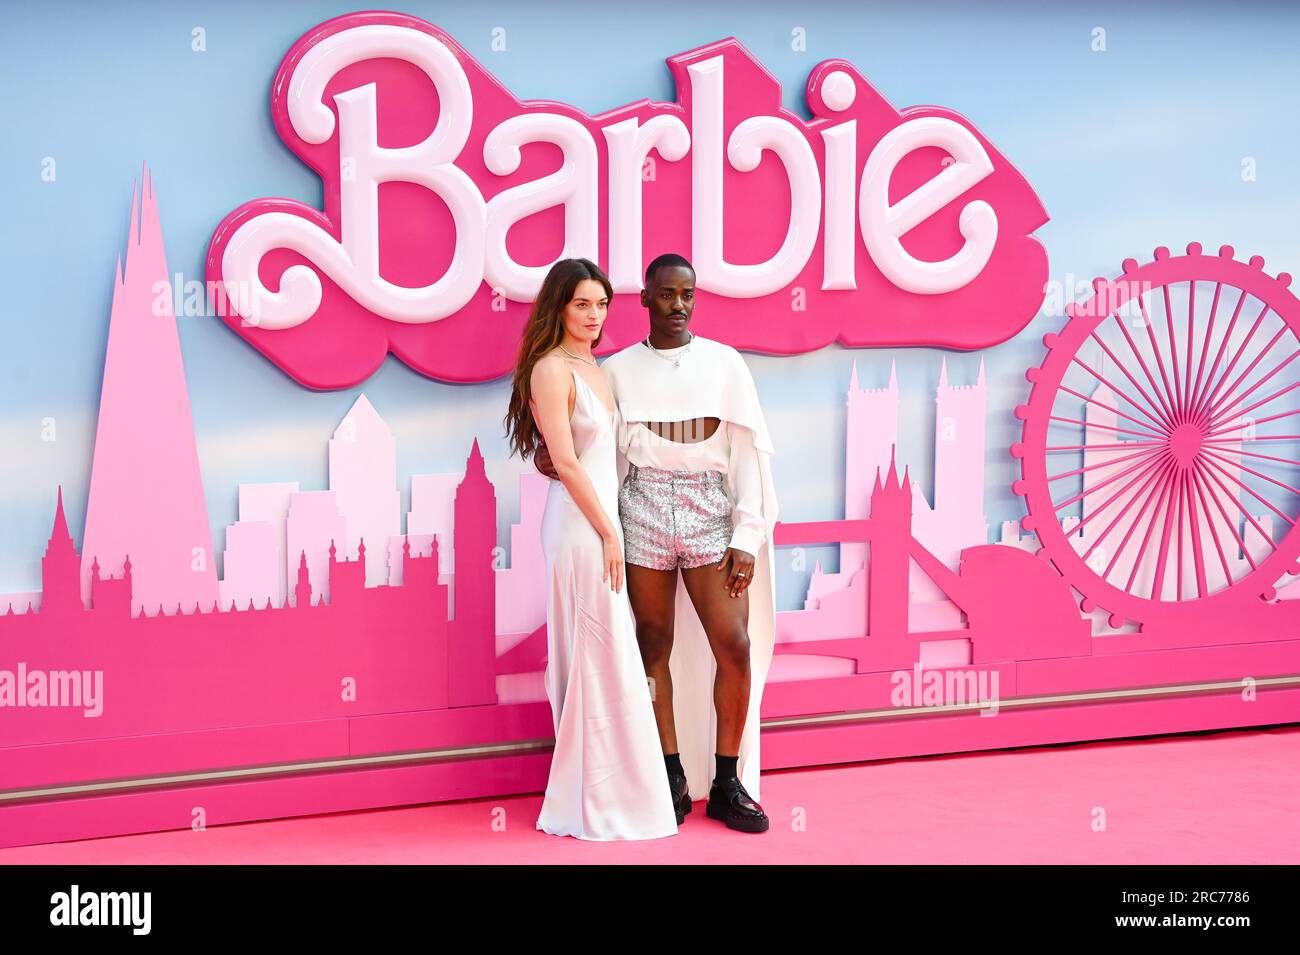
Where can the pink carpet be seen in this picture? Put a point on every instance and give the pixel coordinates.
(1222, 798)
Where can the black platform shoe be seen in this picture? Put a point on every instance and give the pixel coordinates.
(730, 802)
(681, 797)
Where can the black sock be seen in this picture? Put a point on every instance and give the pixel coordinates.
(726, 768)
(674, 763)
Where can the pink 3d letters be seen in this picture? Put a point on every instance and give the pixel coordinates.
(447, 199)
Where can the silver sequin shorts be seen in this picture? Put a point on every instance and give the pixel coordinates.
(674, 518)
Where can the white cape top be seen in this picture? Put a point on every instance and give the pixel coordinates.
(711, 381)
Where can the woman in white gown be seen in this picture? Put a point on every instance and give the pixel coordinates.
(607, 777)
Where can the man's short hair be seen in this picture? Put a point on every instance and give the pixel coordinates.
(667, 260)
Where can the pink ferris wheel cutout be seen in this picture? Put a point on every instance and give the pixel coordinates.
(1160, 452)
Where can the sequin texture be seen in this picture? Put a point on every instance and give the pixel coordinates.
(674, 518)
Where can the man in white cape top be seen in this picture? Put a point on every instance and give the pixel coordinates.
(715, 383)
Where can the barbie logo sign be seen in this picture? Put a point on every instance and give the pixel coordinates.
(446, 199)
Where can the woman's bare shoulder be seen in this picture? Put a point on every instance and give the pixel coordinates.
(550, 371)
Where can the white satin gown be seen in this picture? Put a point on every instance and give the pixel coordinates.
(608, 779)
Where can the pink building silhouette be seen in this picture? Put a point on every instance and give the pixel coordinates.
(60, 568)
(363, 477)
(146, 494)
(521, 587)
(251, 572)
(313, 527)
(955, 520)
(474, 587)
(252, 566)
(870, 434)
(432, 514)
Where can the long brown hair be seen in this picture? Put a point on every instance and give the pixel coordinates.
(544, 331)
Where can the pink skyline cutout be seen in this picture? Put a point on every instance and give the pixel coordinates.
(344, 669)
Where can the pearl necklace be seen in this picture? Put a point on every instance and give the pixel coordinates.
(675, 359)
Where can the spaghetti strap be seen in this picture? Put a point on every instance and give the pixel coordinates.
(592, 391)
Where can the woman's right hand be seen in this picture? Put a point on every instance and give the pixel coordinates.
(613, 563)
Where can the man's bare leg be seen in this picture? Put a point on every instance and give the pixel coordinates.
(652, 594)
(726, 623)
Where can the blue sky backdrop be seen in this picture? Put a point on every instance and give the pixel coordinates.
(1137, 146)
